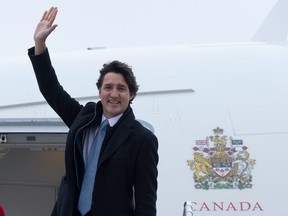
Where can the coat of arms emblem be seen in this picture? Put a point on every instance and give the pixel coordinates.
(221, 163)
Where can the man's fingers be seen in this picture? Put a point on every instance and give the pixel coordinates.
(43, 16)
(52, 14)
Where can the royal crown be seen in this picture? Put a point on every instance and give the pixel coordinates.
(218, 131)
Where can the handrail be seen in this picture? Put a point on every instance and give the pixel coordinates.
(187, 209)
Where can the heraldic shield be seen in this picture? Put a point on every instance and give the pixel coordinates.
(221, 163)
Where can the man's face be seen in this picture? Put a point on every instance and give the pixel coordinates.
(114, 94)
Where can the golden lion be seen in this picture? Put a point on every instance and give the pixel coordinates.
(201, 165)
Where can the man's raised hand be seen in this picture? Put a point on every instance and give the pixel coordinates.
(44, 28)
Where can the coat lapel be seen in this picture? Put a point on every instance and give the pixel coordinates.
(117, 139)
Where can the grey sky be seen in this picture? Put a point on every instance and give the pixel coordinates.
(115, 23)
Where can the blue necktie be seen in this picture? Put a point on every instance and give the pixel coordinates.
(85, 199)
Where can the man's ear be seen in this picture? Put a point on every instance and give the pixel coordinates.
(99, 93)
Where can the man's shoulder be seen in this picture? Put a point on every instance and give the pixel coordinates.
(142, 128)
(89, 108)
(90, 105)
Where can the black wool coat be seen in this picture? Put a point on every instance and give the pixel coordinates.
(126, 179)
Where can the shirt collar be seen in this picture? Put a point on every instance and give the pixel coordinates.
(112, 121)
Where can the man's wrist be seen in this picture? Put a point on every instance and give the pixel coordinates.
(40, 47)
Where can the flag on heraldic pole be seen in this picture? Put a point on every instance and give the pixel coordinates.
(237, 142)
(200, 142)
